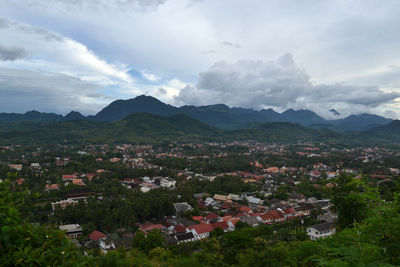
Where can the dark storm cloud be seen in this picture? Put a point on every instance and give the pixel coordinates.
(11, 53)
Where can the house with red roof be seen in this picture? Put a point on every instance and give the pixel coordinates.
(226, 218)
(201, 230)
(179, 229)
(68, 177)
(210, 217)
(96, 235)
(267, 218)
(272, 216)
(78, 182)
(243, 209)
(90, 176)
(225, 226)
(289, 212)
(51, 187)
(147, 227)
(16, 167)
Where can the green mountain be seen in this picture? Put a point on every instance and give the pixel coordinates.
(220, 115)
(119, 109)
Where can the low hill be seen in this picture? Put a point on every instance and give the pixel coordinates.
(32, 116)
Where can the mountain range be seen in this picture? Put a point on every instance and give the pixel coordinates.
(219, 116)
(139, 128)
(145, 119)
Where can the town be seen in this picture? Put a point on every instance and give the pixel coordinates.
(107, 197)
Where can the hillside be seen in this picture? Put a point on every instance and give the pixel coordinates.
(284, 132)
(136, 128)
(149, 128)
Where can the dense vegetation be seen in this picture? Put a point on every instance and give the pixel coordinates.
(146, 128)
(369, 235)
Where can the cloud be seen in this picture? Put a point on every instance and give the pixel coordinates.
(12, 53)
(231, 44)
(68, 72)
(22, 90)
(124, 5)
(343, 46)
(280, 84)
(3, 23)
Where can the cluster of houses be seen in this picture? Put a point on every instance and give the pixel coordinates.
(146, 183)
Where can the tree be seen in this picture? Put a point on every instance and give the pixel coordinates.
(352, 200)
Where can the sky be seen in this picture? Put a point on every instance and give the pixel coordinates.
(63, 55)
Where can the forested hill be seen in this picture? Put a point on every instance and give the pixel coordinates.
(148, 128)
(136, 128)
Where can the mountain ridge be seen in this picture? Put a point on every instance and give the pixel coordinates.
(217, 115)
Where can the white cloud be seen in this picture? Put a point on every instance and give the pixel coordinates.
(342, 44)
(65, 59)
(150, 76)
(281, 85)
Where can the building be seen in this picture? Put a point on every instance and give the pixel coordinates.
(182, 207)
(167, 182)
(51, 187)
(322, 230)
(201, 231)
(16, 167)
(71, 230)
(69, 201)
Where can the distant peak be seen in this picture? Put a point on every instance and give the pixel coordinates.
(334, 112)
(32, 112)
(74, 115)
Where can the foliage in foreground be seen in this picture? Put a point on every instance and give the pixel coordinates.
(373, 239)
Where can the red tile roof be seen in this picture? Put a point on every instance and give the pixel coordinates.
(223, 225)
(242, 208)
(52, 186)
(149, 226)
(69, 176)
(227, 218)
(289, 211)
(180, 229)
(202, 228)
(211, 216)
(96, 235)
(197, 218)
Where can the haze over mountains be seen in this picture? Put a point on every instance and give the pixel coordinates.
(220, 115)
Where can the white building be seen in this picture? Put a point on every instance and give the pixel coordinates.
(72, 230)
(63, 203)
(322, 230)
(167, 182)
(35, 165)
